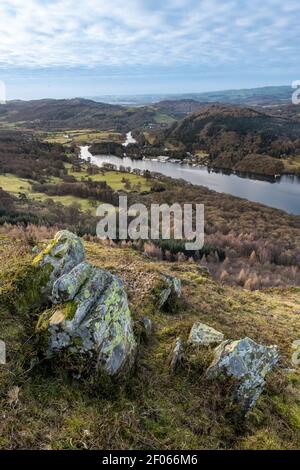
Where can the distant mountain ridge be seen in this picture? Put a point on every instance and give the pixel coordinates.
(81, 113)
(261, 96)
(137, 111)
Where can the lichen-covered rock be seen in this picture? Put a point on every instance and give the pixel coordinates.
(67, 286)
(177, 354)
(248, 363)
(170, 291)
(89, 317)
(64, 252)
(204, 335)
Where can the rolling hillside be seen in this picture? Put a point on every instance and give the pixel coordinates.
(229, 134)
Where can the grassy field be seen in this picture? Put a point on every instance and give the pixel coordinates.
(161, 118)
(292, 164)
(84, 204)
(81, 136)
(113, 178)
(149, 137)
(16, 185)
(154, 409)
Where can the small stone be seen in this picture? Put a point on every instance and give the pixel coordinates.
(177, 354)
(147, 324)
(171, 289)
(204, 335)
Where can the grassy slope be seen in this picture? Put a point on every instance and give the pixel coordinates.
(16, 185)
(113, 178)
(162, 118)
(156, 410)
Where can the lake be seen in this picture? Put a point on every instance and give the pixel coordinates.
(282, 193)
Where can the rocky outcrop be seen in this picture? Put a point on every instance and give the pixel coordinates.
(246, 362)
(89, 316)
(169, 292)
(204, 335)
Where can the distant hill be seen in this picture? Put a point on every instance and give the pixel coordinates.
(136, 112)
(79, 113)
(230, 133)
(48, 114)
(249, 96)
(178, 108)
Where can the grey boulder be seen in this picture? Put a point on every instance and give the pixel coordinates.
(248, 363)
(90, 316)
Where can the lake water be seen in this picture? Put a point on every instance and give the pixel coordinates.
(283, 193)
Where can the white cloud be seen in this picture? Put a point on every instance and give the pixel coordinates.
(41, 33)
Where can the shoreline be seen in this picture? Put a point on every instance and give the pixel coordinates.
(258, 190)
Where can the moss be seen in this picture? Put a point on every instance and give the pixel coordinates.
(22, 291)
(69, 309)
(43, 320)
(264, 439)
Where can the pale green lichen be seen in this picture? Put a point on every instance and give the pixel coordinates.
(39, 258)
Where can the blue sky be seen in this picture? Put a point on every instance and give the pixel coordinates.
(65, 48)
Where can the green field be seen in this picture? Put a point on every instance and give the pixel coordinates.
(113, 179)
(81, 136)
(292, 164)
(15, 185)
(161, 118)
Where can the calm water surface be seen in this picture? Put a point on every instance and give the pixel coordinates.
(283, 193)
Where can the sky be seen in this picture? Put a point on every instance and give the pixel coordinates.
(67, 48)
